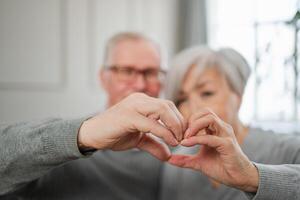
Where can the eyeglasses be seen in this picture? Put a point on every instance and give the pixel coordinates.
(129, 74)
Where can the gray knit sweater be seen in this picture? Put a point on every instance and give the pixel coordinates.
(41, 161)
(31, 150)
(276, 181)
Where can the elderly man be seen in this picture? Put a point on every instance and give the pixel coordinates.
(132, 63)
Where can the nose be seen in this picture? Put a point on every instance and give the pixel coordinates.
(140, 83)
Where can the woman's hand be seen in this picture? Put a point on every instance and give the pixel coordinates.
(220, 156)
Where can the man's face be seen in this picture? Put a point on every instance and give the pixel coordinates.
(124, 61)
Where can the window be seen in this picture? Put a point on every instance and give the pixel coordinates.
(259, 30)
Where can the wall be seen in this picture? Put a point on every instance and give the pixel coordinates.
(50, 51)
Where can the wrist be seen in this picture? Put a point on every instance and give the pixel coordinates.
(82, 138)
(252, 179)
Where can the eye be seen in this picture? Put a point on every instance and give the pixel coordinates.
(151, 72)
(127, 71)
(207, 93)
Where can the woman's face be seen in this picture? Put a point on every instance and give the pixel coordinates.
(209, 89)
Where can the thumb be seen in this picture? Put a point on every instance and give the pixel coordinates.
(151, 144)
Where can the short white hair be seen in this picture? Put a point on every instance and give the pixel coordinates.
(226, 60)
(133, 36)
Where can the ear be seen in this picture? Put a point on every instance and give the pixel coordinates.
(162, 86)
(102, 78)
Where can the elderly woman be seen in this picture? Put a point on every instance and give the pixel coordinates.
(235, 161)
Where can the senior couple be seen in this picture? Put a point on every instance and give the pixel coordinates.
(57, 159)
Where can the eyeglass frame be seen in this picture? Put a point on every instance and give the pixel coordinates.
(117, 69)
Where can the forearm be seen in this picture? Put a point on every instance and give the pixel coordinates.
(277, 182)
(29, 150)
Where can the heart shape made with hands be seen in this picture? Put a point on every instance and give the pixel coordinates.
(219, 157)
(204, 128)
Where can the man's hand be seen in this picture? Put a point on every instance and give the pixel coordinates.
(132, 123)
(220, 156)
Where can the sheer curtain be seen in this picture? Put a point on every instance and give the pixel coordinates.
(192, 28)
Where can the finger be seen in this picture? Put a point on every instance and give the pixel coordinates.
(208, 140)
(169, 118)
(160, 109)
(199, 114)
(180, 118)
(209, 122)
(200, 132)
(150, 144)
(146, 125)
(184, 161)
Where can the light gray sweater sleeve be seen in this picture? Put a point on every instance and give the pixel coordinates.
(277, 182)
(29, 150)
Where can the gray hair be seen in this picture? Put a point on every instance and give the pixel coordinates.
(133, 36)
(228, 61)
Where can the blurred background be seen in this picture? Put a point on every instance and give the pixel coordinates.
(51, 50)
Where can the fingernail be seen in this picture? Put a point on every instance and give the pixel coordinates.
(183, 142)
(174, 142)
(187, 133)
